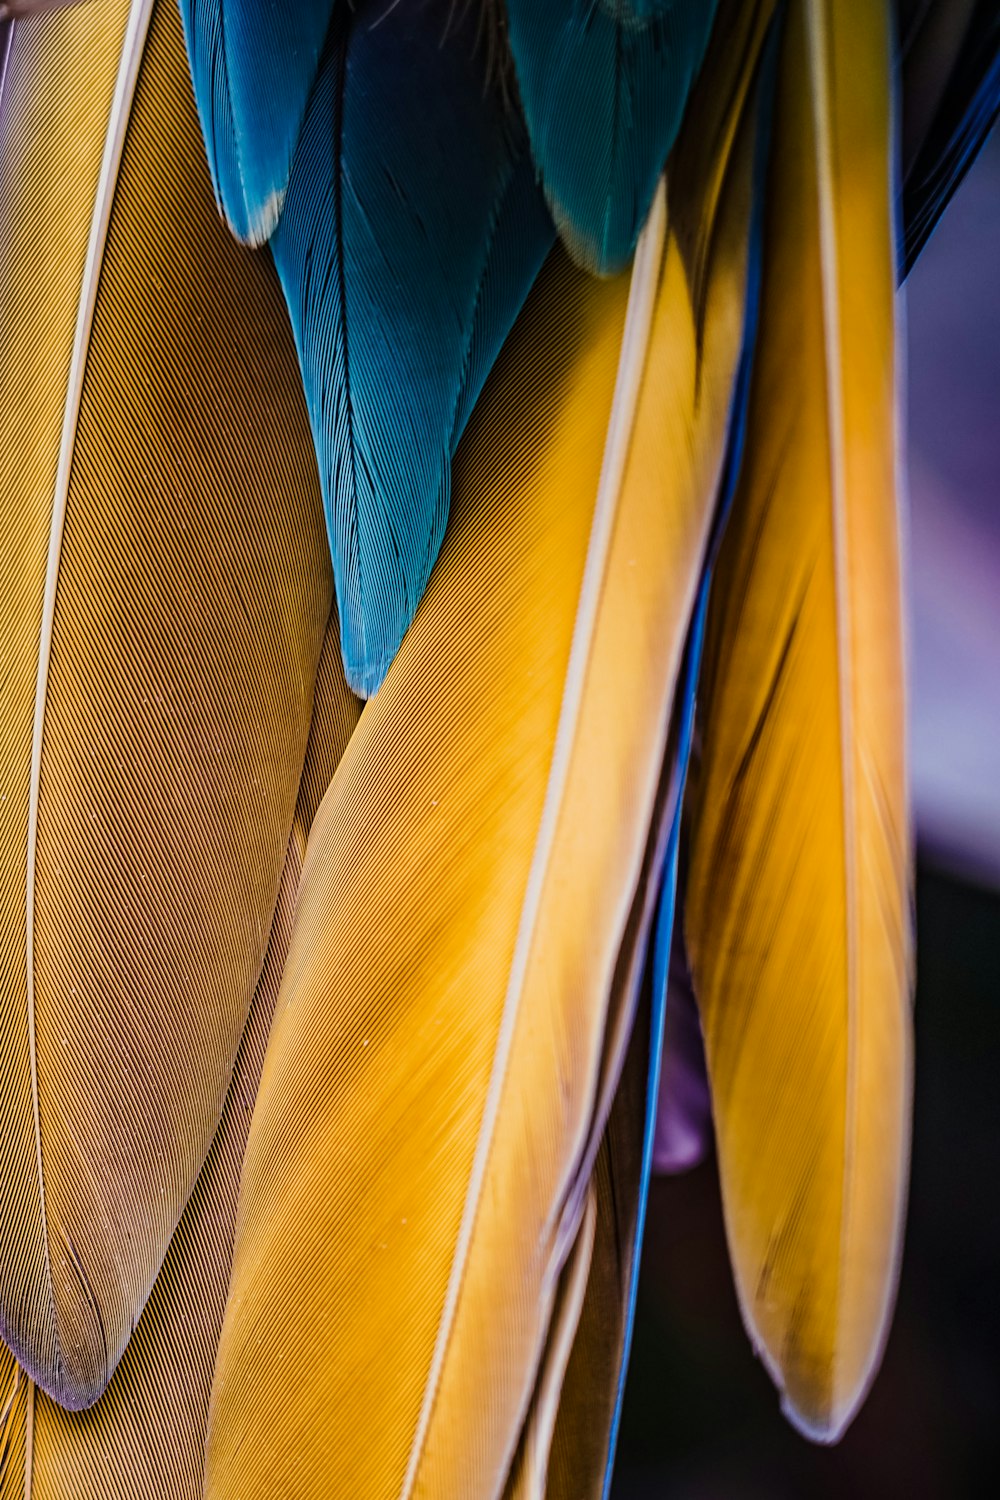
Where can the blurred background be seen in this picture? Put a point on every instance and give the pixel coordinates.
(701, 1419)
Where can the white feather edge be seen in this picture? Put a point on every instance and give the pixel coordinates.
(635, 341)
(128, 72)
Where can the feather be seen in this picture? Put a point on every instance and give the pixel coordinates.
(253, 65)
(408, 242)
(164, 588)
(797, 908)
(145, 1439)
(951, 98)
(604, 84)
(472, 876)
(528, 1479)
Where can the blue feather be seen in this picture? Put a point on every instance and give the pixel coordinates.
(604, 84)
(412, 232)
(253, 64)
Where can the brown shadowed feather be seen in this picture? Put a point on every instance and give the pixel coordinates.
(164, 586)
(145, 1438)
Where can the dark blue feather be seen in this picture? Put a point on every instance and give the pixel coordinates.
(412, 232)
(604, 84)
(253, 63)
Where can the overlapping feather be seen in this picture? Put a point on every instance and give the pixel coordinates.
(253, 64)
(798, 917)
(492, 821)
(164, 587)
(410, 231)
(145, 1439)
(603, 84)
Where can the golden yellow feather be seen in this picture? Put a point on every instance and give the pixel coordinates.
(145, 1438)
(798, 919)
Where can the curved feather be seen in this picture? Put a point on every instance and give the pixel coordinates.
(145, 1439)
(604, 84)
(470, 892)
(797, 907)
(164, 587)
(253, 65)
(411, 233)
(951, 98)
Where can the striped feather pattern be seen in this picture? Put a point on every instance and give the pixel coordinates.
(165, 543)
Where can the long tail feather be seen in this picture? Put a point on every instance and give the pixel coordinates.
(164, 589)
(145, 1439)
(797, 902)
(485, 837)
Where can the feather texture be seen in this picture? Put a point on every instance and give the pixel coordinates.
(408, 242)
(164, 586)
(951, 98)
(486, 837)
(797, 902)
(253, 65)
(145, 1439)
(604, 84)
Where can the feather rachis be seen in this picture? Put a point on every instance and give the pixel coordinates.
(132, 50)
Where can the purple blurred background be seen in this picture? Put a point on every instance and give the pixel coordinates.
(701, 1420)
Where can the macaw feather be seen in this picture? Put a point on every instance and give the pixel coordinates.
(527, 732)
(165, 587)
(253, 65)
(797, 903)
(603, 84)
(409, 239)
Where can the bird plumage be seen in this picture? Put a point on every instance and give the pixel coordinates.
(452, 1140)
(166, 588)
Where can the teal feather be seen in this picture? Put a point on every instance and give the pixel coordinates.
(412, 232)
(604, 84)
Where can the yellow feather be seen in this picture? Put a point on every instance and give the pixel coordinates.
(462, 978)
(164, 587)
(798, 919)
